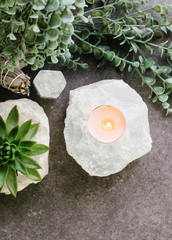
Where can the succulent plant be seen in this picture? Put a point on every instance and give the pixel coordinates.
(16, 149)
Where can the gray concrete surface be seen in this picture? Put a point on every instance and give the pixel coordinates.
(134, 204)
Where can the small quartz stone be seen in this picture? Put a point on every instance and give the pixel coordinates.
(103, 159)
(29, 109)
(49, 84)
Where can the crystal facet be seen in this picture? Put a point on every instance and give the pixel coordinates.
(103, 159)
(49, 84)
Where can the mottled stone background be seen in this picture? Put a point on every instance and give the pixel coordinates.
(135, 204)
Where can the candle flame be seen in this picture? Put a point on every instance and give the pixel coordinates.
(108, 124)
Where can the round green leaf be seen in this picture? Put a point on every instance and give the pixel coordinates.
(42, 24)
(53, 34)
(21, 2)
(68, 29)
(159, 90)
(67, 16)
(66, 39)
(67, 2)
(169, 80)
(30, 36)
(98, 53)
(9, 3)
(111, 9)
(38, 5)
(30, 59)
(158, 35)
(117, 61)
(20, 54)
(55, 20)
(73, 48)
(85, 33)
(163, 98)
(149, 80)
(52, 5)
(109, 55)
(9, 50)
(165, 105)
(135, 64)
(52, 44)
(80, 3)
(97, 13)
(157, 8)
(86, 48)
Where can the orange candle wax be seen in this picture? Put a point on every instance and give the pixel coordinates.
(106, 124)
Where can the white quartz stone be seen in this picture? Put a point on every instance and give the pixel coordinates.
(49, 84)
(102, 159)
(29, 109)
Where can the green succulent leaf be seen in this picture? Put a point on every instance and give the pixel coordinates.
(16, 142)
(11, 181)
(20, 167)
(3, 174)
(13, 119)
(24, 129)
(12, 164)
(3, 131)
(24, 150)
(29, 162)
(33, 174)
(12, 134)
(27, 143)
(38, 149)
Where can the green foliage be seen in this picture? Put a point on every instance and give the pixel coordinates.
(16, 148)
(54, 30)
(37, 31)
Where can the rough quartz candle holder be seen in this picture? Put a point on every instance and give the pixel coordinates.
(100, 158)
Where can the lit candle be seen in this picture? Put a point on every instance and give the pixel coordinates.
(106, 124)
